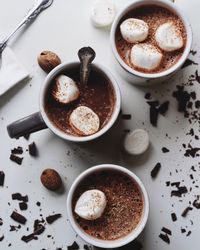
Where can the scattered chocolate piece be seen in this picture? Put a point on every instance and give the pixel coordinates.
(193, 52)
(179, 192)
(147, 96)
(74, 246)
(17, 151)
(165, 238)
(14, 228)
(185, 212)
(182, 97)
(155, 110)
(51, 179)
(196, 203)
(29, 238)
(16, 159)
(166, 230)
(183, 230)
(23, 205)
(191, 151)
(2, 177)
(167, 183)
(1, 238)
(86, 247)
(176, 184)
(136, 245)
(165, 150)
(1, 222)
(126, 116)
(197, 76)
(155, 170)
(32, 149)
(38, 203)
(27, 136)
(188, 62)
(174, 217)
(164, 108)
(51, 218)
(18, 217)
(188, 234)
(19, 197)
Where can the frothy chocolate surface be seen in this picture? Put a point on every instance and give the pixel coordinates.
(124, 205)
(98, 95)
(154, 16)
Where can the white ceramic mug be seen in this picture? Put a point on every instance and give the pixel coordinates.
(140, 78)
(40, 120)
(108, 243)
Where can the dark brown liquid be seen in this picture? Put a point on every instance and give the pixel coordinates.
(124, 205)
(98, 95)
(154, 16)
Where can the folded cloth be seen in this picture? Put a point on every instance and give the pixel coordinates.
(11, 71)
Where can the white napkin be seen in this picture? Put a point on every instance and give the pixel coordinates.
(11, 71)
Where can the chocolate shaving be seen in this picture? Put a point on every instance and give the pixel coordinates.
(155, 170)
(185, 212)
(32, 149)
(165, 238)
(23, 205)
(2, 177)
(18, 217)
(18, 150)
(166, 230)
(182, 97)
(188, 62)
(16, 159)
(19, 197)
(74, 246)
(165, 150)
(181, 190)
(174, 217)
(51, 218)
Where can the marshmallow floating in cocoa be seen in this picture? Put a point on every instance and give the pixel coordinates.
(84, 121)
(65, 90)
(91, 204)
(134, 30)
(168, 37)
(145, 56)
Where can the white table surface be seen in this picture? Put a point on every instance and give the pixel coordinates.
(64, 28)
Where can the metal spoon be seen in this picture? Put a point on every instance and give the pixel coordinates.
(86, 56)
(37, 8)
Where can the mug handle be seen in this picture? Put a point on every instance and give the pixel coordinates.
(26, 125)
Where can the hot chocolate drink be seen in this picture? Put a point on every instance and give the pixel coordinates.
(80, 109)
(123, 208)
(150, 39)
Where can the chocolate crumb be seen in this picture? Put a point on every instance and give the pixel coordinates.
(188, 234)
(74, 246)
(16, 159)
(86, 247)
(155, 170)
(32, 149)
(165, 238)
(126, 116)
(2, 177)
(185, 212)
(174, 217)
(1, 238)
(14, 228)
(167, 183)
(23, 205)
(1, 222)
(17, 151)
(196, 203)
(29, 238)
(166, 230)
(38, 203)
(188, 62)
(165, 150)
(183, 230)
(51, 218)
(147, 96)
(18, 217)
(193, 52)
(19, 197)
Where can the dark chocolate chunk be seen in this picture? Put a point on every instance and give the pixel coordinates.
(167, 183)
(188, 62)
(154, 116)
(29, 237)
(2, 177)
(1, 222)
(32, 149)
(1, 238)
(174, 217)
(179, 192)
(18, 217)
(191, 151)
(193, 52)
(147, 96)
(86, 247)
(38, 203)
(183, 230)
(14, 228)
(166, 230)
(74, 246)
(165, 150)
(17, 151)
(197, 76)
(176, 184)
(23, 205)
(165, 238)
(164, 108)
(126, 116)
(182, 97)
(196, 203)
(51, 218)
(19, 197)
(185, 212)
(155, 170)
(16, 159)
(188, 234)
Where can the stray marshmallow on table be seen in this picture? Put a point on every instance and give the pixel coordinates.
(65, 90)
(134, 30)
(103, 13)
(168, 37)
(145, 56)
(136, 142)
(84, 121)
(91, 204)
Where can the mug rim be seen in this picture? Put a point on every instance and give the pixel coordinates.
(112, 119)
(162, 3)
(108, 243)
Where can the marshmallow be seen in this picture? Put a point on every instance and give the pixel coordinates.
(136, 142)
(84, 121)
(65, 90)
(168, 37)
(103, 13)
(145, 56)
(134, 30)
(91, 204)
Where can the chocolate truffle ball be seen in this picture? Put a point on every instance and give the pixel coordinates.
(51, 179)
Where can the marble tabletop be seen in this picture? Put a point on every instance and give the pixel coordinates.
(64, 28)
